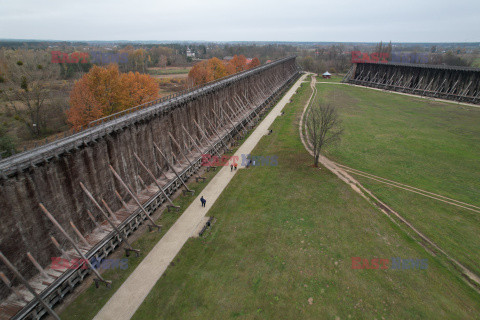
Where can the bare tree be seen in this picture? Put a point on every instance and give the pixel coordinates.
(323, 127)
(26, 88)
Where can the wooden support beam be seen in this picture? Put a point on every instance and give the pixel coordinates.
(90, 215)
(251, 119)
(205, 136)
(218, 135)
(85, 242)
(240, 121)
(144, 185)
(229, 133)
(117, 176)
(186, 158)
(122, 201)
(193, 140)
(64, 253)
(173, 169)
(119, 232)
(60, 228)
(8, 283)
(155, 181)
(27, 285)
(37, 265)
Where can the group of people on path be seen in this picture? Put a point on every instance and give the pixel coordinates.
(233, 166)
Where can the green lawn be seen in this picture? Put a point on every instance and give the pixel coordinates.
(160, 72)
(282, 246)
(334, 78)
(434, 146)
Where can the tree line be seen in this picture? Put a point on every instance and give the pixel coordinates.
(214, 68)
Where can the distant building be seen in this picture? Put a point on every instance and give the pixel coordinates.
(326, 75)
(190, 53)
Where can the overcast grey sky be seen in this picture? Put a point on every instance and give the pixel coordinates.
(249, 20)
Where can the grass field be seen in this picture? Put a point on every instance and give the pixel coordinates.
(282, 245)
(434, 146)
(168, 71)
(334, 78)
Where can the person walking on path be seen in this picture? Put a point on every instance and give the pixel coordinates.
(231, 167)
(235, 165)
(203, 201)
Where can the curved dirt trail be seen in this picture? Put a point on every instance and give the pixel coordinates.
(471, 278)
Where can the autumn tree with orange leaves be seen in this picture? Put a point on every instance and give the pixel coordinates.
(254, 63)
(212, 69)
(200, 74)
(239, 62)
(104, 91)
(217, 68)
